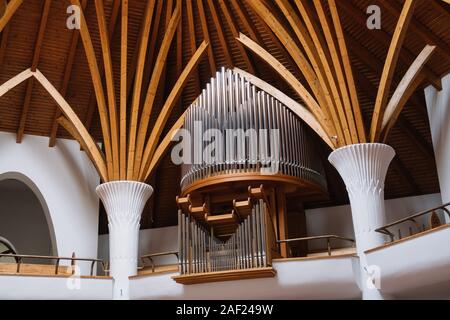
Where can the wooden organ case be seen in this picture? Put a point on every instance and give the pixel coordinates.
(232, 206)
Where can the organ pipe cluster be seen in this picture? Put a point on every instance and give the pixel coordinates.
(257, 134)
(249, 247)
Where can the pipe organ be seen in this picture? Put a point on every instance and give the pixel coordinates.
(247, 152)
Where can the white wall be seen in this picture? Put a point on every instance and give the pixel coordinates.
(54, 288)
(338, 220)
(438, 105)
(64, 181)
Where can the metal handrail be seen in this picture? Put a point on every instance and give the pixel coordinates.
(328, 237)
(19, 258)
(159, 254)
(385, 231)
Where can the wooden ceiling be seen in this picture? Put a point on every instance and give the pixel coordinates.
(37, 37)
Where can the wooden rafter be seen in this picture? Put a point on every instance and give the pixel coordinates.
(302, 112)
(163, 147)
(192, 40)
(235, 33)
(65, 83)
(98, 88)
(384, 38)
(123, 91)
(218, 26)
(111, 27)
(77, 126)
(204, 25)
(143, 42)
(389, 68)
(405, 175)
(419, 29)
(167, 108)
(152, 89)
(405, 89)
(322, 70)
(34, 64)
(111, 94)
(348, 72)
(4, 43)
(11, 8)
(314, 117)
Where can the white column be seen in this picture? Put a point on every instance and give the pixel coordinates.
(363, 168)
(124, 202)
(438, 106)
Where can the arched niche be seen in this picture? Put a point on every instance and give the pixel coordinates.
(25, 218)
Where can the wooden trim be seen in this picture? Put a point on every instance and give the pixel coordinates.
(98, 88)
(110, 89)
(405, 89)
(389, 68)
(229, 275)
(90, 145)
(414, 236)
(168, 106)
(34, 64)
(250, 177)
(293, 105)
(153, 87)
(11, 8)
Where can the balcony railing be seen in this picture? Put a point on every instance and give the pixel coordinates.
(413, 218)
(150, 257)
(19, 261)
(327, 237)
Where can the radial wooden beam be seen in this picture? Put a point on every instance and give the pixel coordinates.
(110, 89)
(66, 79)
(92, 98)
(419, 29)
(4, 44)
(143, 43)
(10, 9)
(235, 33)
(123, 91)
(302, 63)
(323, 71)
(382, 36)
(192, 41)
(34, 64)
(152, 88)
(167, 108)
(245, 19)
(220, 34)
(15, 81)
(98, 88)
(405, 89)
(348, 72)
(204, 25)
(76, 126)
(163, 147)
(302, 112)
(389, 68)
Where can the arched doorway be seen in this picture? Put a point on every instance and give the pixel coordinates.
(24, 216)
